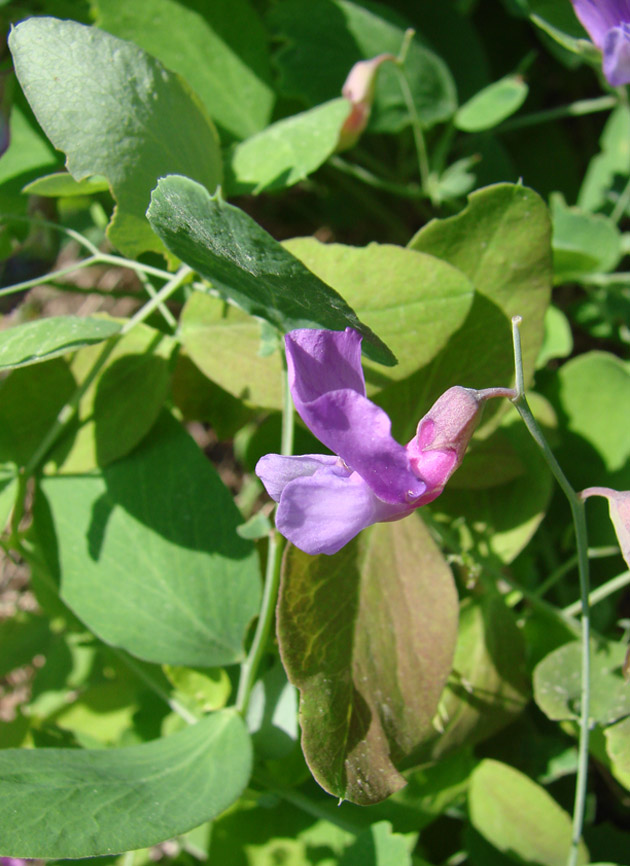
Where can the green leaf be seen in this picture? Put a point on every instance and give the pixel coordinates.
(225, 344)
(114, 111)
(414, 301)
(618, 750)
(247, 265)
(557, 683)
(367, 637)
(501, 241)
(378, 846)
(28, 150)
(219, 48)
(30, 400)
(208, 688)
(148, 556)
(44, 339)
(62, 184)
(323, 39)
(122, 404)
(22, 637)
(9, 487)
(557, 339)
(591, 394)
(519, 817)
(287, 151)
(492, 105)
(112, 800)
(597, 186)
(583, 243)
(489, 687)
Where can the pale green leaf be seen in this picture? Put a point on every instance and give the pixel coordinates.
(44, 339)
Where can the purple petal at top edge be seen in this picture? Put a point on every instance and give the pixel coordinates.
(599, 16)
(359, 431)
(322, 513)
(276, 471)
(322, 361)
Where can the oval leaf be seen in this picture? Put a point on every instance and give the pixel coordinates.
(492, 105)
(111, 800)
(519, 817)
(148, 555)
(48, 338)
(115, 111)
(367, 636)
(247, 265)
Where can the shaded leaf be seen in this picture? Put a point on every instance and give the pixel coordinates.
(287, 151)
(247, 265)
(44, 339)
(148, 556)
(557, 679)
(618, 750)
(558, 337)
(519, 817)
(367, 637)
(112, 800)
(62, 184)
(583, 243)
(9, 487)
(219, 48)
(114, 111)
(378, 846)
(323, 39)
(489, 686)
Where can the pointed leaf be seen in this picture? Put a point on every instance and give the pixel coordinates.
(82, 803)
(287, 151)
(48, 338)
(367, 636)
(148, 555)
(116, 111)
(247, 265)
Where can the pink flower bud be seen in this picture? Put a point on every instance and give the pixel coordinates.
(358, 88)
(619, 508)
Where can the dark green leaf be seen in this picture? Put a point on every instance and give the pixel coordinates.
(148, 554)
(378, 846)
(247, 265)
(44, 339)
(115, 111)
(367, 637)
(77, 803)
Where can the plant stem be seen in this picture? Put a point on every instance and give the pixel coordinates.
(600, 593)
(579, 522)
(575, 109)
(249, 668)
(416, 126)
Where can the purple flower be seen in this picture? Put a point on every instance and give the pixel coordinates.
(325, 500)
(607, 22)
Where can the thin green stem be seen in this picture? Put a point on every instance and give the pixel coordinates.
(416, 126)
(178, 708)
(249, 668)
(600, 593)
(156, 301)
(576, 109)
(581, 538)
(362, 174)
(54, 275)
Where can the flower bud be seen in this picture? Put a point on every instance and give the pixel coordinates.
(619, 508)
(358, 88)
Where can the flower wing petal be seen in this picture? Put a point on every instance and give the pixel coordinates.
(359, 431)
(616, 49)
(276, 471)
(323, 512)
(322, 361)
(598, 16)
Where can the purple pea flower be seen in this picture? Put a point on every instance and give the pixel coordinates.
(607, 22)
(325, 500)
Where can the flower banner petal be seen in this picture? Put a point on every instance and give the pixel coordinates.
(322, 361)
